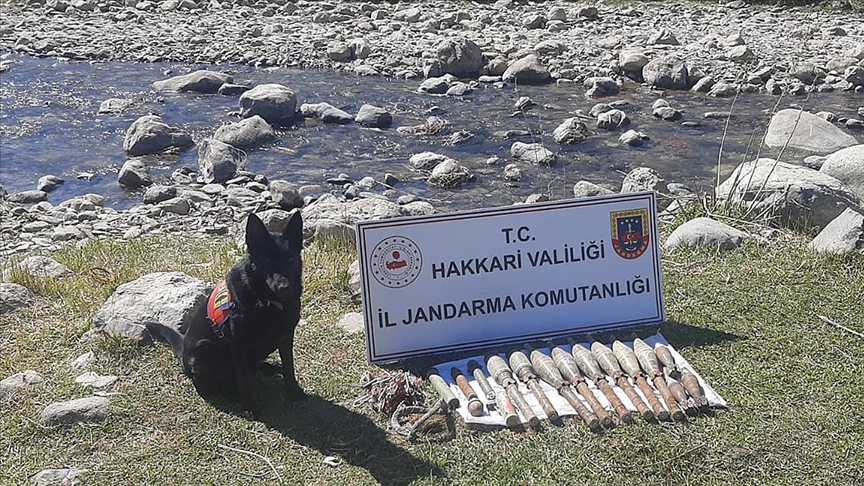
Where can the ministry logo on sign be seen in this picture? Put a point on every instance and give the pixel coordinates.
(396, 262)
(630, 235)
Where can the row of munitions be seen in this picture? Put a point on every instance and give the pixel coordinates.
(678, 388)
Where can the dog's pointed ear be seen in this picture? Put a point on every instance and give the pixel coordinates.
(258, 239)
(293, 231)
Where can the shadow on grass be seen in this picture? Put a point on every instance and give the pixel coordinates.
(334, 430)
(681, 335)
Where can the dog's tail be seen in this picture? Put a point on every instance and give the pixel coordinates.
(166, 334)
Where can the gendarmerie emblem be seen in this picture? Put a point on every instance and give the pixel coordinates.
(630, 232)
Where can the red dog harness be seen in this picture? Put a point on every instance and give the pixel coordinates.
(219, 308)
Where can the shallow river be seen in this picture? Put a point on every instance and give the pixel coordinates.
(49, 125)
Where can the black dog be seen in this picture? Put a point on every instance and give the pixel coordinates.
(248, 316)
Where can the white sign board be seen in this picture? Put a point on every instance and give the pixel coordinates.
(475, 279)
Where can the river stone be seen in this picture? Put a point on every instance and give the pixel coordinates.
(600, 86)
(845, 234)
(666, 113)
(584, 189)
(217, 161)
(91, 379)
(158, 193)
(847, 166)
(533, 153)
(43, 267)
(352, 323)
(667, 72)
(14, 297)
(612, 119)
(854, 75)
(434, 85)
(426, 160)
(460, 57)
(459, 88)
(274, 103)
(175, 205)
(202, 81)
(166, 299)
(149, 134)
(354, 281)
(81, 410)
(570, 132)
(512, 172)
(449, 174)
(247, 133)
(327, 211)
(285, 194)
(81, 203)
(706, 232)
(795, 194)
(57, 476)
(643, 179)
(373, 117)
(134, 174)
(340, 51)
(49, 183)
(631, 61)
(812, 133)
(632, 138)
(13, 383)
(326, 112)
(409, 15)
(113, 105)
(527, 70)
(27, 197)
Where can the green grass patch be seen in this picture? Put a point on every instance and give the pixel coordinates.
(746, 319)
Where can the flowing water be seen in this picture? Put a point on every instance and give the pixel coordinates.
(49, 125)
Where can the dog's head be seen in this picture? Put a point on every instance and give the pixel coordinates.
(274, 258)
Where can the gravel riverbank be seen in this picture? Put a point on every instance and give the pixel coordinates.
(574, 40)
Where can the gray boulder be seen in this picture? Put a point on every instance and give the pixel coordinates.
(352, 323)
(217, 161)
(134, 174)
(631, 62)
(150, 134)
(285, 194)
(11, 384)
(202, 81)
(425, 160)
(806, 131)
(644, 179)
(667, 72)
(588, 189)
(14, 297)
(527, 70)
(164, 299)
(571, 131)
(113, 105)
(794, 194)
(847, 166)
(247, 133)
(320, 216)
(706, 232)
(612, 119)
(325, 112)
(274, 103)
(373, 117)
(49, 183)
(460, 57)
(66, 476)
(81, 410)
(600, 86)
(27, 197)
(449, 174)
(533, 153)
(43, 267)
(845, 234)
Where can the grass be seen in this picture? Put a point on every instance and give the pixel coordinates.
(746, 319)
